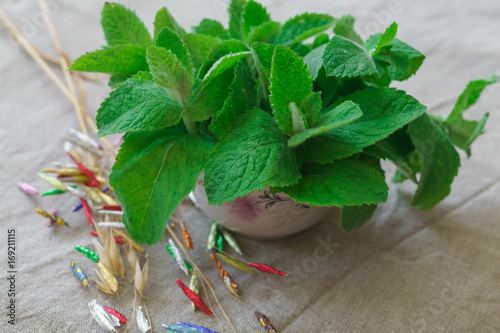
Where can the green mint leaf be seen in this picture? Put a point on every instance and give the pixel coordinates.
(403, 60)
(267, 33)
(312, 106)
(385, 110)
(399, 177)
(397, 148)
(199, 47)
(320, 40)
(254, 15)
(223, 64)
(219, 51)
(171, 41)
(463, 132)
(143, 76)
(343, 114)
(344, 27)
(115, 80)
(235, 10)
(122, 26)
(206, 101)
(263, 53)
(169, 73)
(352, 217)
(252, 155)
(119, 59)
(299, 122)
(439, 159)
(137, 105)
(314, 60)
(302, 27)
(302, 49)
(212, 28)
(345, 58)
(163, 19)
(242, 98)
(343, 183)
(376, 42)
(153, 172)
(290, 83)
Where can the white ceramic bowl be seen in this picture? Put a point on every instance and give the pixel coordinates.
(260, 214)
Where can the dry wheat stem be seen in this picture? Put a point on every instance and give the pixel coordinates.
(64, 63)
(33, 53)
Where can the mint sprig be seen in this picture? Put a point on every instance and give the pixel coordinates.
(259, 104)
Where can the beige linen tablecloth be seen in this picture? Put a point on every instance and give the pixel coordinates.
(405, 271)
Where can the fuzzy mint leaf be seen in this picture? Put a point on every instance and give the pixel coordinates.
(344, 27)
(212, 28)
(263, 56)
(235, 10)
(343, 114)
(242, 97)
(314, 60)
(290, 83)
(439, 159)
(169, 73)
(253, 154)
(199, 47)
(163, 19)
(397, 148)
(401, 60)
(207, 101)
(120, 59)
(344, 183)
(153, 172)
(122, 26)
(254, 15)
(385, 110)
(376, 42)
(266, 33)
(352, 217)
(223, 64)
(344, 58)
(302, 27)
(171, 41)
(137, 105)
(219, 51)
(463, 132)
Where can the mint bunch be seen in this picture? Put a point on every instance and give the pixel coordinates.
(265, 104)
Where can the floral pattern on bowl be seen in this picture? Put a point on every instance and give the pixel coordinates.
(260, 214)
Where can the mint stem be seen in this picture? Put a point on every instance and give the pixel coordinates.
(190, 125)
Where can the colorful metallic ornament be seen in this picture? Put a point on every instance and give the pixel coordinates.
(121, 318)
(267, 269)
(27, 188)
(236, 263)
(79, 273)
(265, 322)
(230, 240)
(194, 298)
(88, 253)
(178, 256)
(54, 218)
(212, 236)
(201, 328)
(187, 237)
(142, 321)
(102, 317)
